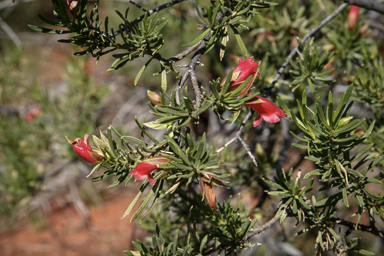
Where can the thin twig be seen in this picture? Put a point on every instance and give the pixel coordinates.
(138, 6)
(191, 69)
(12, 35)
(182, 55)
(255, 231)
(371, 229)
(196, 88)
(150, 12)
(239, 131)
(246, 147)
(294, 51)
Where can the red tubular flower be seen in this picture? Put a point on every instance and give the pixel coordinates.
(266, 109)
(85, 151)
(245, 69)
(353, 17)
(143, 170)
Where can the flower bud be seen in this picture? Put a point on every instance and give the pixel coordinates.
(260, 151)
(154, 98)
(344, 121)
(353, 17)
(245, 69)
(85, 151)
(72, 4)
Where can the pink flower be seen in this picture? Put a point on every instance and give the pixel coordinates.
(85, 151)
(266, 109)
(143, 170)
(245, 69)
(353, 17)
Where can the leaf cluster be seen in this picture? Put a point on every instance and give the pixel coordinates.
(222, 231)
(137, 38)
(309, 68)
(330, 142)
(233, 14)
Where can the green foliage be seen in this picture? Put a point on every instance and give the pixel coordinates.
(349, 47)
(223, 231)
(235, 14)
(310, 68)
(330, 142)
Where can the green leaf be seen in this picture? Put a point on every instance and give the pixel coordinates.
(198, 39)
(226, 83)
(203, 243)
(157, 197)
(155, 125)
(134, 201)
(364, 252)
(48, 31)
(141, 71)
(204, 107)
(177, 150)
(176, 111)
(163, 78)
(345, 197)
(150, 197)
(96, 168)
(59, 5)
(175, 238)
(54, 23)
(240, 42)
(199, 13)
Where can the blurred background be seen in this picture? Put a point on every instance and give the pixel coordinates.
(47, 206)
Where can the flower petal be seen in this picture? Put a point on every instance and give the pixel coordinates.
(257, 121)
(271, 118)
(143, 170)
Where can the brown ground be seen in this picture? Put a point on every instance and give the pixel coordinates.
(66, 232)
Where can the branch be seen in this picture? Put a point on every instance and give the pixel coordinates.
(368, 4)
(191, 72)
(370, 229)
(293, 52)
(255, 231)
(138, 6)
(12, 35)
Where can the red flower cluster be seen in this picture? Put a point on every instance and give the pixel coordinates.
(85, 151)
(266, 109)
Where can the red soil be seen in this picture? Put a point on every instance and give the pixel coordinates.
(68, 233)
